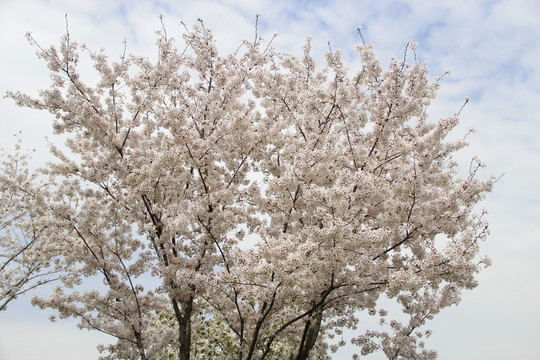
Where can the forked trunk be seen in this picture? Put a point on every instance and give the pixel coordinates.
(311, 332)
(184, 328)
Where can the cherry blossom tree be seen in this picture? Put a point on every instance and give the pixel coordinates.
(250, 206)
(22, 264)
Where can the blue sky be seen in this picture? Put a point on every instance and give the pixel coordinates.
(493, 51)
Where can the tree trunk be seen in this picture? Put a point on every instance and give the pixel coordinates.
(140, 346)
(184, 328)
(311, 332)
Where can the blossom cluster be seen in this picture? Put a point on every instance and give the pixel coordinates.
(250, 205)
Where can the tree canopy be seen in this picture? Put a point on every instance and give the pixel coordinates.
(249, 206)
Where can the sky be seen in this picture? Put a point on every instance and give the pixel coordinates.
(493, 51)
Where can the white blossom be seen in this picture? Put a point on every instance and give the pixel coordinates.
(248, 206)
